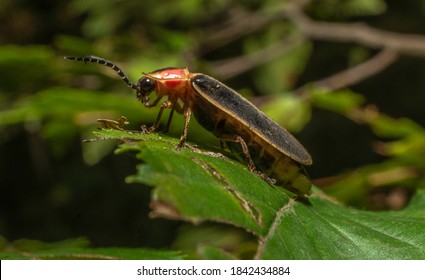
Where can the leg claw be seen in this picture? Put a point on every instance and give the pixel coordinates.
(146, 130)
(263, 176)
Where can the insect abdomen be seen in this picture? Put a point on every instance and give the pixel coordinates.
(233, 104)
(287, 172)
(223, 121)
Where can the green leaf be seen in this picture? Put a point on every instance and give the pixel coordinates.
(76, 249)
(325, 230)
(74, 45)
(215, 241)
(35, 65)
(282, 73)
(348, 8)
(27, 245)
(66, 103)
(385, 126)
(289, 111)
(340, 101)
(214, 253)
(195, 184)
(94, 254)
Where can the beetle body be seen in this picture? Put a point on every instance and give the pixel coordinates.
(269, 150)
(273, 150)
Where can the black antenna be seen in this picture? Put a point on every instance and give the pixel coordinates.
(106, 63)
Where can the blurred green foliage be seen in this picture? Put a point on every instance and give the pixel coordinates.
(367, 142)
(76, 249)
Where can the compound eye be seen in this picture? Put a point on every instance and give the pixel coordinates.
(146, 85)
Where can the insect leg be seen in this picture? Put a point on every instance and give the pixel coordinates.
(153, 104)
(175, 107)
(186, 112)
(167, 126)
(166, 105)
(251, 166)
(244, 146)
(222, 144)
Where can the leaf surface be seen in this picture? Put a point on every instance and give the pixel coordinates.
(195, 184)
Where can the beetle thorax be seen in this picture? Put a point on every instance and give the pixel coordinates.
(174, 82)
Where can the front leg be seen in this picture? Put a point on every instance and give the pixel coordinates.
(166, 105)
(153, 104)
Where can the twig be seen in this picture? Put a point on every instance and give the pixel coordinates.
(240, 24)
(236, 65)
(392, 44)
(355, 74)
(360, 33)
